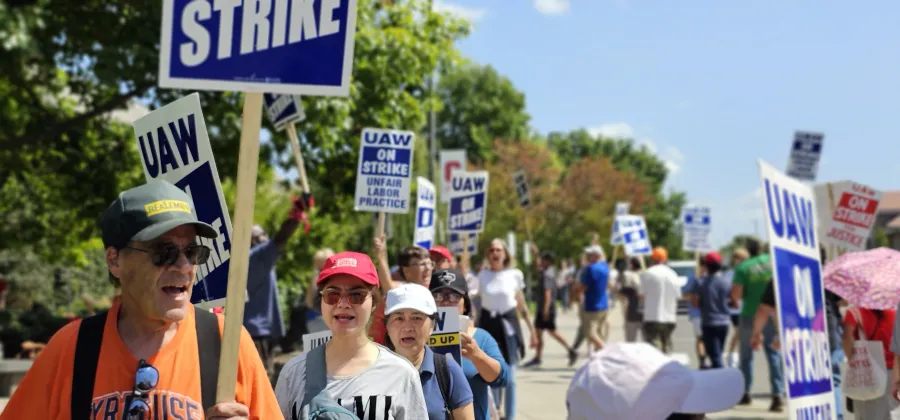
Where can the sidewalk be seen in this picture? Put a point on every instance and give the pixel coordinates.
(542, 391)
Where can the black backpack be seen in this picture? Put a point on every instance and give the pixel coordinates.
(442, 372)
(87, 353)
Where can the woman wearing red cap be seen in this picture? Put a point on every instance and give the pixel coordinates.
(710, 293)
(363, 377)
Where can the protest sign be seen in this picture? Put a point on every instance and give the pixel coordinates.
(174, 146)
(283, 109)
(468, 201)
(635, 238)
(384, 176)
(425, 206)
(853, 207)
(258, 46)
(445, 336)
(456, 243)
(806, 150)
(451, 160)
(696, 229)
(313, 340)
(511, 244)
(521, 184)
(791, 220)
(622, 208)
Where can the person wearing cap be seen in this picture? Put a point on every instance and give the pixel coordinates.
(748, 286)
(146, 349)
(483, 364)
(502, 302)
(443, 260)
(262, 311)
(594, 287)
(362, 376)
(635, 381)
(660, 291)
(545, 318)
(415, 267)
(410, 317)
(710, 293)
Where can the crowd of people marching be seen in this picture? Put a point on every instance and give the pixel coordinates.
(153, 355)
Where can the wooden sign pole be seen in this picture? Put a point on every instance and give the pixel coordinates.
(248, 165)
(298, 156)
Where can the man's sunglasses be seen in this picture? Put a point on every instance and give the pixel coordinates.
(145, 380)
(451, 297)
(167, 254)
(333, 296)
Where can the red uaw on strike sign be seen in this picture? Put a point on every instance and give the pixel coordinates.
(854, 215)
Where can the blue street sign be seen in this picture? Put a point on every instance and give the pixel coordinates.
(791, 221)
(291, 47)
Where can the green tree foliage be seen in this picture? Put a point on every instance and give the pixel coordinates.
(479, 105)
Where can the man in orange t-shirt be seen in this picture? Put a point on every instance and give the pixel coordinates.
(148, 357)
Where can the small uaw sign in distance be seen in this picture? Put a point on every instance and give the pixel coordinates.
(791, 221)
(384, 176)
(697, 226)
(468, 201)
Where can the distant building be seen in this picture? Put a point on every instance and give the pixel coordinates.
(888, 219)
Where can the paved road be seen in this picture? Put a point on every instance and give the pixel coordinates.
(542, 391)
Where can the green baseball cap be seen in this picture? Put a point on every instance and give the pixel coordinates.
(146, 212)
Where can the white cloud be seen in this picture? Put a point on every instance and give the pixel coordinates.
(552, 7)
(671, 157)
(471, 14)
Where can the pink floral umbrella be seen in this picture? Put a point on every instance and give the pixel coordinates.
(869, 279)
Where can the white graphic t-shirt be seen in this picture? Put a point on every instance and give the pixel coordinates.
(390, 389)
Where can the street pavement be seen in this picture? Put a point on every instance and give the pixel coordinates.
(542, 391)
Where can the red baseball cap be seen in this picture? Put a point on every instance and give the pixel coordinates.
(352, 263)
(442, 251)
(713, 257)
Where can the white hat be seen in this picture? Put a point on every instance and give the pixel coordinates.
(636, 381)
(410, 296)
(594, 249)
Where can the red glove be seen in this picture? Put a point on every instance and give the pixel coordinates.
(298, 210)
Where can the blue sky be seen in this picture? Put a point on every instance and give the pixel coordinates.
(712, 86)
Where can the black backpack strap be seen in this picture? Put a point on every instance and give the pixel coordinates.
(442, 372)
(209, 344)
(87, 353)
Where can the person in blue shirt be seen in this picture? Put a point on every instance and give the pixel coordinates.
(483, 363)
(594, 284)
(409, 316)
(262, 310)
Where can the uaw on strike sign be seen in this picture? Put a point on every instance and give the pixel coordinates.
(468, 201)
(174, 147)
(854, 215)
(384, 176)
(791, 222)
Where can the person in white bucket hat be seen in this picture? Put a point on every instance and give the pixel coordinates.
(636, 381)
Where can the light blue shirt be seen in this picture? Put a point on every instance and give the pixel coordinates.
(480, 387)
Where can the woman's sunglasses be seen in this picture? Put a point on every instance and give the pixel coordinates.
(165, 255)
(333, 296)
(145, 380)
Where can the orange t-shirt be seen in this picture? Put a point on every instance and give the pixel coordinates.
(45, 391)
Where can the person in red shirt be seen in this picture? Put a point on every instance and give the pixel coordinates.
(873, 325)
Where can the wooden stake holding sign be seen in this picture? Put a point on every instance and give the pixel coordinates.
(290, 66)
(298, 156)
(248, 165)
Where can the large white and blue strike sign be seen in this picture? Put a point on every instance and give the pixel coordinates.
(635, 238)
(791, 220)
(384, 176)
(468, 201)
(425, 203)
(283, 109)
(696, 222)
(285, 46)
(174, 147)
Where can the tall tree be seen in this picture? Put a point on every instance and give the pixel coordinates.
(478, 106)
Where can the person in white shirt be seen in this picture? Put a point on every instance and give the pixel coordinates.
(660, 290)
